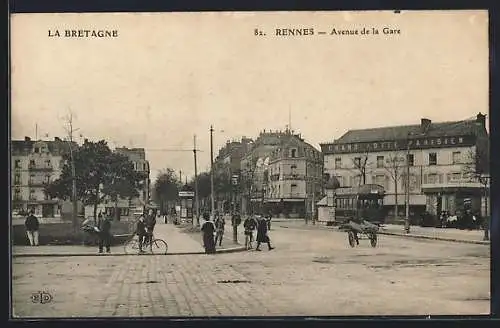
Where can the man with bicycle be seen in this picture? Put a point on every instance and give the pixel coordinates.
(150, 223)
(249, 225)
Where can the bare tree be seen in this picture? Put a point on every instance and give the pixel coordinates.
(476, 168)
(70, 130)
(361, 165)
(395, 165)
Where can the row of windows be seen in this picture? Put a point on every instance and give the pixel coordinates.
(415, 180)
(32, 163)
(32, 179)
(381, 160)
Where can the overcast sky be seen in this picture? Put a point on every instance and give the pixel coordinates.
(168, 76)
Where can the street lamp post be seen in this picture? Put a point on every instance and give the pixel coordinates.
(407, 191)
(484, 181)
(196, 199)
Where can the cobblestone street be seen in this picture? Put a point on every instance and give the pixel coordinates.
(311, 272)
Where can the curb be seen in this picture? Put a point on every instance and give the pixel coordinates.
(221, 251)
(463, 241)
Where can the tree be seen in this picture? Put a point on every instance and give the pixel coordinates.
(248, 178)
(100, 173)
(395, 165)
(476, 168)
(204, 188)
(361, 165)
(121, 180)
(166, 188)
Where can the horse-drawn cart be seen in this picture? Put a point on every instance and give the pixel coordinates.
(364, 229)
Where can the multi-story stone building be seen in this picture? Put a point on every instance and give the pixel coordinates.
(443, 160)
(280, 173)
(226, 164)
(34, 165)
(294, 182)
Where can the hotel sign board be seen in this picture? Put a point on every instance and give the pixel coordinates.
(188, 194)
(394, 145)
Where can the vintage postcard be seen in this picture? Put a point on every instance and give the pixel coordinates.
(250, 164)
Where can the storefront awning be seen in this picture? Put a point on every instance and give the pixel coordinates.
(285, 200)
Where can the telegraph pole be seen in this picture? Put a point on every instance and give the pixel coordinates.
(212, 199)
(196, 204)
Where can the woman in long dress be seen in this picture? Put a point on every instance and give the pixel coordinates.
(208, 229)
(262, 236)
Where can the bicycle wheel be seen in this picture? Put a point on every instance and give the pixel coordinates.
(351, 238)
(131, 247)
(159, 246)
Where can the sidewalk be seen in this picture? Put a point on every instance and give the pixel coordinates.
(178, 242)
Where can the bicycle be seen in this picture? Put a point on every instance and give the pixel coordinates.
(248, 240)
(154, 245)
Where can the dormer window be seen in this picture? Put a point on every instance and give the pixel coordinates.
(293, 153)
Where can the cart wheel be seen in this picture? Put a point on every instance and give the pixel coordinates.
(373, 240)
(352, 240)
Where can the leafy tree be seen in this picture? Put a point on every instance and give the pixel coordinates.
(99, 172)
(166, 188)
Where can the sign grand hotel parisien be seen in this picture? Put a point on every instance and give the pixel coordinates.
(397, 145)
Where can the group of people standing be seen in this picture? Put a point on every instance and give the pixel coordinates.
(213, 232)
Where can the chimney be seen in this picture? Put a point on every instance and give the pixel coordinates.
(425, 123)
(481, 118)
(27, 139)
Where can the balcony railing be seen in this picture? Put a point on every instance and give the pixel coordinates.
(293, 195)
(37, 183)
(294, 177)
(452, 184)
(34, 167)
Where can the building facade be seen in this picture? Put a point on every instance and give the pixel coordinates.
(35, 164)
(294, 178)
(279, 175)
(440, 162)
(226, 164)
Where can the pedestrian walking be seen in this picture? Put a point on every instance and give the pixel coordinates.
(32, 225)
(268, 218)
(220, 224)
(104, 233)
(208, 229)
(262, 235)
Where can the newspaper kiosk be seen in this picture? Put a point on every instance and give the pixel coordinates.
(186, 196)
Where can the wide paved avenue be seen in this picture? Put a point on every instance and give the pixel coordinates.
(311, 272)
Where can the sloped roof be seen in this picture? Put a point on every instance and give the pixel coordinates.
(440, 129)
(55, 147)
